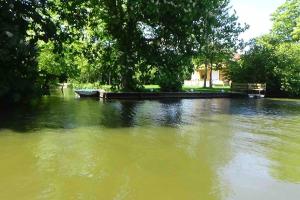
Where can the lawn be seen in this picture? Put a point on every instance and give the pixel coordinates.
(155, 88)
(201, 89)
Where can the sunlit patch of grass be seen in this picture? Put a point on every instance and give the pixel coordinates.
(151, 88)
(156, 88)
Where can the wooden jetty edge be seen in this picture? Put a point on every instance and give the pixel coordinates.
(238, 90)
(168, 95)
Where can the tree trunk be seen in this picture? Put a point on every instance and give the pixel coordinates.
(109, 78)
(205, 74)
(128, 81)
(210, 75)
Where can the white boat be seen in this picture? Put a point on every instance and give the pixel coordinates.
(256, 96)
(88, 92)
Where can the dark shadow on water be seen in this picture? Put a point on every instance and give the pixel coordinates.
(123, 114)
(57, 112)
(118, 114)
(172, 113)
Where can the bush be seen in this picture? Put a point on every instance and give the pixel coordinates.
(278, 66)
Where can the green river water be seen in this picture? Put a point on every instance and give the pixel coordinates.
(206, 149)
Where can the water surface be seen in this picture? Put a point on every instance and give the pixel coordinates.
(212, 149)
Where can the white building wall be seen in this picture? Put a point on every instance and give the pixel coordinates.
(215, 75)
(197, 81)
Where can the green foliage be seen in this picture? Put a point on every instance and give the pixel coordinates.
(218, 38)
(64, 65)
(286, 33)
(102, 58)
(172, 71)
(288, 67)
(286, 20)
(278, 66)
(274, 58)
(161, 36)
(125, 44)
(19, 75)
(95, 85)
(22, 25)
(136, 32)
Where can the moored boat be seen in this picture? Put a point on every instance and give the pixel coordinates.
(256, 96)
(88, 92)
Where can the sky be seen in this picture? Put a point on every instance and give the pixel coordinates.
(256, 13)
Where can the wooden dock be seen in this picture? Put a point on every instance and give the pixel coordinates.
(167, 95)
(253, 90)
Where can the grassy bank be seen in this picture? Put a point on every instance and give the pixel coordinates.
(156, 88)
(151, 88)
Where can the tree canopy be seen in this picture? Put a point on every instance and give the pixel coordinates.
(286, 21)
(124, 43)
(22, 24)
(274, 57)
(219, 39)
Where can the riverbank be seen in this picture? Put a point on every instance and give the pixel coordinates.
(149, 88)
(169, 95)
(154, 92)
(192, 92)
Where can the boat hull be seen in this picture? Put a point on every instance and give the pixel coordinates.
(256, 96)
(88, 93)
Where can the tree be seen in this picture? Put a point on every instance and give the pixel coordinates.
(121, 20)
(157, 33)
(286, 22)
(121, 42)
(256, 66)
(277, 65)
(22, 25)
(221, 31)
(63, 65)
(274, 57)
(18, 35)
(288, 68)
